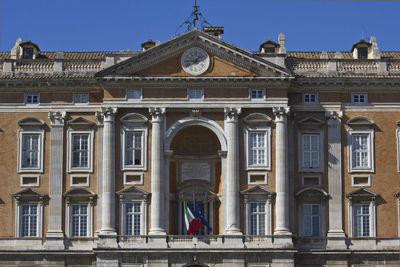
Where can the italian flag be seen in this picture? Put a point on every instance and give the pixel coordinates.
(193, 225)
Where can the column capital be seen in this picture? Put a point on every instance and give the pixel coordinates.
(157, 113)
(280, 112)
(57, 118)
(334, 116)
(107, 113)
(231, 114)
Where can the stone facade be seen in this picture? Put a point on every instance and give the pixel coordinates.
(292, 156)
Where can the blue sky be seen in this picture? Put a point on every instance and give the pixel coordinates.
(81, 25)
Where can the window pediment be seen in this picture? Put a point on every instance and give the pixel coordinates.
(360, 121)
(133, 191)
(257, 118)
(362, 193)
(81, 122)
(312, 192)
(29, 194)
(310, 122)
(79, 194)
(257, 190)
(30, 121)
(133, 118)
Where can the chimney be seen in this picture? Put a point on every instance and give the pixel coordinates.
(147, 45)
(216, 31)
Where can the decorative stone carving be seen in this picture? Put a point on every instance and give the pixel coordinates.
(57, 117)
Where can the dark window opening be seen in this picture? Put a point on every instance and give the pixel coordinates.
(362, 53)
(27, 53)
(270, 49)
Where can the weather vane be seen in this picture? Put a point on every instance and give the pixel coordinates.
(192, 20)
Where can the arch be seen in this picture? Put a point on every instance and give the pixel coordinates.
(190, 121)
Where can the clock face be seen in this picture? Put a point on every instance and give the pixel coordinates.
(195, 61)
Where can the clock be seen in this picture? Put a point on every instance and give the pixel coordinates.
(195, 61)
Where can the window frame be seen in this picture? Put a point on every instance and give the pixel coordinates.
(26, 95)
(359, 176)
(353, 95)
(321, 139)
(267, 164)
(309, 101)
(372, 216)
(21, 133)
(140, 90)
(320, 210)
(305, 176)
(259, 225)
(71, 132)
(68, 219)
(263, 97)
(190, 97)
(144, 131)
(371, 150)
(78, 95)
(251, 173)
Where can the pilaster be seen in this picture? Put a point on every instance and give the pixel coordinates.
(55, 235)
(158, 197)
(283, 236)
(232, 169)
(336, 236)
(100, 127)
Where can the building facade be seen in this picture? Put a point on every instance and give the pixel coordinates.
(292, 156)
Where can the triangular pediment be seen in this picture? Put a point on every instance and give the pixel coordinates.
(79, 192)
(29, 194)
(226, 60)
(362, 193)
(310, 121)
(133, 190)
(257, 190)
(81, 122)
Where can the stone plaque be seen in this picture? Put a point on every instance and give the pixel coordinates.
(195, 170)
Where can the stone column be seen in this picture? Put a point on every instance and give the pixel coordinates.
(232, 169)
(282, 227)
(157, 165)
(100, 125)
(55, 235)
(108, 183)
(335, 231)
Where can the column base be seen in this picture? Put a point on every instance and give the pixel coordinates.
(157, 231)
(283, 239)
(336, 240)
(107, 239)
(233, 231)
(55, 240)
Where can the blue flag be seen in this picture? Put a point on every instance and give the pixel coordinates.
(199, 215)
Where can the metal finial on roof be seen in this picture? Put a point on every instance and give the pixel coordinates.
(192, 20)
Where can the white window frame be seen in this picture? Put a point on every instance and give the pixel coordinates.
(267, 164)
(319, 222)
(68, 219)
(265, 181)
(353, 95)
(371, 154)
(309, 98)
(140, 174)
(31, 94)
(144, 131)
(303, 132)
(39, 168)
(79, 97)
(139, 90)
(72, 176)
(90, 134)
(143, 214)
(268, 212)
(19, 216)
(310, 176)
(23, 176)
(190, 94)
(257, 98)
(372, 217)
(362, 185)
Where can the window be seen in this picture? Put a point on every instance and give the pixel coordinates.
(257, 218)
(359, 98)
(361, 180)
(195, 94)
(311, 220)
(27, 53)
(362, 212)
(133, 218)
(80, 150)
(257, 94)
(133, 178)
(362, 52)
(79, 180)
(32, 99)
(310, 98)
(311, 150)
(30, 180)
(361, 219)
(133, 211)
(81, 98)
(311, 180)
(258, 210)
(134, 94)
(29, 213)
(30, 151)
(258, 148)
(257, 178)
(79, 208)
(134, 148)
(361, 151)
